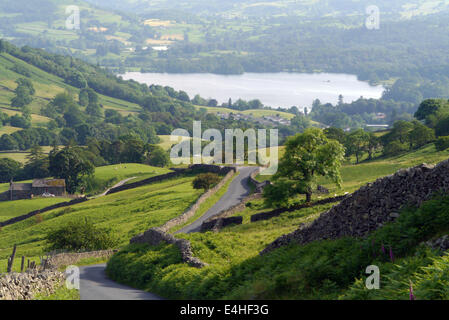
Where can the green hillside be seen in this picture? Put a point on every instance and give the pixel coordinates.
(59, 107)
(126, 213)
(237, 271)
(47, 87)
(257, 113)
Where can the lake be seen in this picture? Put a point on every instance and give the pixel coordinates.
(273, 89)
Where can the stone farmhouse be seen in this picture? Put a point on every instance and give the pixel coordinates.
(20, 191)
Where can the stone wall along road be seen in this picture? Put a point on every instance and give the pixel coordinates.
(373, 205)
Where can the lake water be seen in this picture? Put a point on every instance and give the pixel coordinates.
(273, 89)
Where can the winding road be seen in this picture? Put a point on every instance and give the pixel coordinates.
(94, 285)
(237, 191)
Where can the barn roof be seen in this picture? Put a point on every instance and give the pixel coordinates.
(43, 183)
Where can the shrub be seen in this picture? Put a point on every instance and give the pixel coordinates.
(206, 181)
(80, 236)
(442, 143)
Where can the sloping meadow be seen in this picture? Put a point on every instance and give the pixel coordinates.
(332, 269)
(126, 214)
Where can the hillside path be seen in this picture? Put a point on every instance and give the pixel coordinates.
(121, 183)
(94, 285)
(237, 191)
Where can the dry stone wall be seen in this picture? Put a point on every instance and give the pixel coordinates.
(373, 205)
(163, 177)
(258, 185)
(220, 223)
(46, 209)
(43, 279)
(66, 259)
(24, 286)
(192, 210)
(156, 236)
(441, 244)
(171, 175)
(225, 218)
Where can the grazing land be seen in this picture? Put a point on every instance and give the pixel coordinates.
(236, 270)
(127, 214)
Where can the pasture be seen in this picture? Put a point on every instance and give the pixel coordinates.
(126, 214)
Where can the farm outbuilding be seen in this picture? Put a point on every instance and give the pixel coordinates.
(55, 186)
(19, 191)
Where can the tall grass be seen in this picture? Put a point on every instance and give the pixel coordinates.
(319, 270)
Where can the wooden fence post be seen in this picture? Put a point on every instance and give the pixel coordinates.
(11, 259)
(22, 265)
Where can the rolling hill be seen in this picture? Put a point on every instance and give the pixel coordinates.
(320, 270)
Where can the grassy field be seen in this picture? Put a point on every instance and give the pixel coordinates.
(22, 156)
(222, 251)
(103, 178)
(61, 293)
(107, 176)
(122, 171)
(8, 130)
(166, 143)
(11, 209)
(35, 118)
(269, 113)
(354, 176)
(126, 213)
(233, 253)
(47, 87)
(319, 270)
(17, 156)
(257, 113)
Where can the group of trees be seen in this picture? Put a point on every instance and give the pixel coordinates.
(70, 163)
(431, 122)
(74, 163)
(403, 136)
(23, 93)
(19, 121)
(362, 111)
(317, 152)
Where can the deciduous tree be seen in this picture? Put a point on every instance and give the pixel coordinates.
(307, 156)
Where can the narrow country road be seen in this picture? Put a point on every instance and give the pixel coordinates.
(94, 285)
(237, 191)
